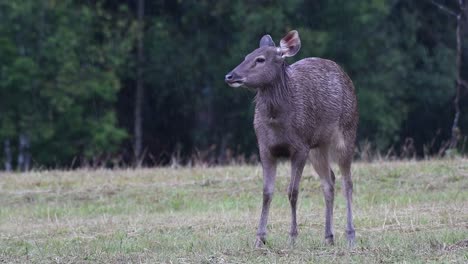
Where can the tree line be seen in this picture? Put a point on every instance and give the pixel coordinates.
(107, 83)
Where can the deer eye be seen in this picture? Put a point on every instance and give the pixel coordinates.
(260, 59)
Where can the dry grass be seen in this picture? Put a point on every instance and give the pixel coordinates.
(404, 212)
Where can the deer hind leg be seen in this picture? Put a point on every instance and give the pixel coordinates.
(320, 162)
(345, 168)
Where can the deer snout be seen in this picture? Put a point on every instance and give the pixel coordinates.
(233, 79)
(228, 77)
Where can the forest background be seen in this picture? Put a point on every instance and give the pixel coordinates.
(116, 83)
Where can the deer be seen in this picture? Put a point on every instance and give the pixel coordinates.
(303, 111)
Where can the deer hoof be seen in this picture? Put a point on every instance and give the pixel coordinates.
(351, 236)
(260, 242)
(292, 241)
(292, 238)
(329, 241)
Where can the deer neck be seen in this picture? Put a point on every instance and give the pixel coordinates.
(274, 100)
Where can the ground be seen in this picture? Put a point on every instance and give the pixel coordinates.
(407, 211)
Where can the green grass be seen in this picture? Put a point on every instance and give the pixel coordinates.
(407, 212)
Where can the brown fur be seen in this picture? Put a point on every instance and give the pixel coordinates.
(305, 109)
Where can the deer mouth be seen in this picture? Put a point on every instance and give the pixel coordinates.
(235, 83)
(234, 80)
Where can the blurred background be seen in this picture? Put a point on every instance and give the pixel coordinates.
(119, 83)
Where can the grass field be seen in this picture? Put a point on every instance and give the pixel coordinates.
(414, 212)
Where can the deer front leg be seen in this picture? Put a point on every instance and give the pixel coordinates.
(297, 166)
(269, 175)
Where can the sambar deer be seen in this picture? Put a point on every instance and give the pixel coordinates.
(307, 109)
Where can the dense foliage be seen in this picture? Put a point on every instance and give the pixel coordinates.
(68, 74)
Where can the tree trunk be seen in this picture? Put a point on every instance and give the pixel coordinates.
(7, 151)
(455, 129)
(24, 157)
(139, 97)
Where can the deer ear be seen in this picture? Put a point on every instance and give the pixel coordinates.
(290, 44)
(267, 41)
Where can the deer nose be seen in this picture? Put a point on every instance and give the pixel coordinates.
(228, 77)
